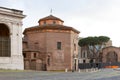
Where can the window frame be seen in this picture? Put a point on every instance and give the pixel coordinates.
(59, 45)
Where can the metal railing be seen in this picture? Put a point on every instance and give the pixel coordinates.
(97, 65)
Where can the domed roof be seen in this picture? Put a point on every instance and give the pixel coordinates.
(50, 17)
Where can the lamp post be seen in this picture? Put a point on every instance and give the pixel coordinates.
(73, 66)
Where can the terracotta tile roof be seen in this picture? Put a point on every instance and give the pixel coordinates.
(50, 17)
(54, 27)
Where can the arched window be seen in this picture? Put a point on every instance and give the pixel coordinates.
(4, 41)
(54, 22)
(44, 22)
(112, 57)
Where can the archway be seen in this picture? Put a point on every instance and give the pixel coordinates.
(112, 57)
(4, 41)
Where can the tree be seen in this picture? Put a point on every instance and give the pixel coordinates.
(94, 45)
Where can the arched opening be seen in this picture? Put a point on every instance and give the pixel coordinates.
(4, 41)
(112, 57)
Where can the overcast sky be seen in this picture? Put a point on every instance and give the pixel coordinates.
(90, 17)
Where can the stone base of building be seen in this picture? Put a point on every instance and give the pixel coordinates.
(59, 67)
(13, 62)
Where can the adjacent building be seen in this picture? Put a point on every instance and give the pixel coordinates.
(85, 57)
(111, 54)
(11, 39)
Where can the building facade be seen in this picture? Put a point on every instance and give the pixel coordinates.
(50, 45)
(11, 39)
(84, 54)
(111, 54)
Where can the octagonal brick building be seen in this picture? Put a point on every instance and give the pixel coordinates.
(50, 45)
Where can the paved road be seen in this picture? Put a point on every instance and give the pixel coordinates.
(106, 74)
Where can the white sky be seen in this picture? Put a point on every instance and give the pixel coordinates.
(90, 17)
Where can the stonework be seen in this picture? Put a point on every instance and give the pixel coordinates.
(56, 45)
(12, 19)
(111, 54)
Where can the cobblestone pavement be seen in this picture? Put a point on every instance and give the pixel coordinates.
(106, 74)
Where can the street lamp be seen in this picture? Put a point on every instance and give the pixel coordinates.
(73, 66)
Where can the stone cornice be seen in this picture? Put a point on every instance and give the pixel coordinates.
(111, 47)
(10, 21)
(50, 28)
(11, 12)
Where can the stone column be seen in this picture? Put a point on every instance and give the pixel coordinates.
(16, 47)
